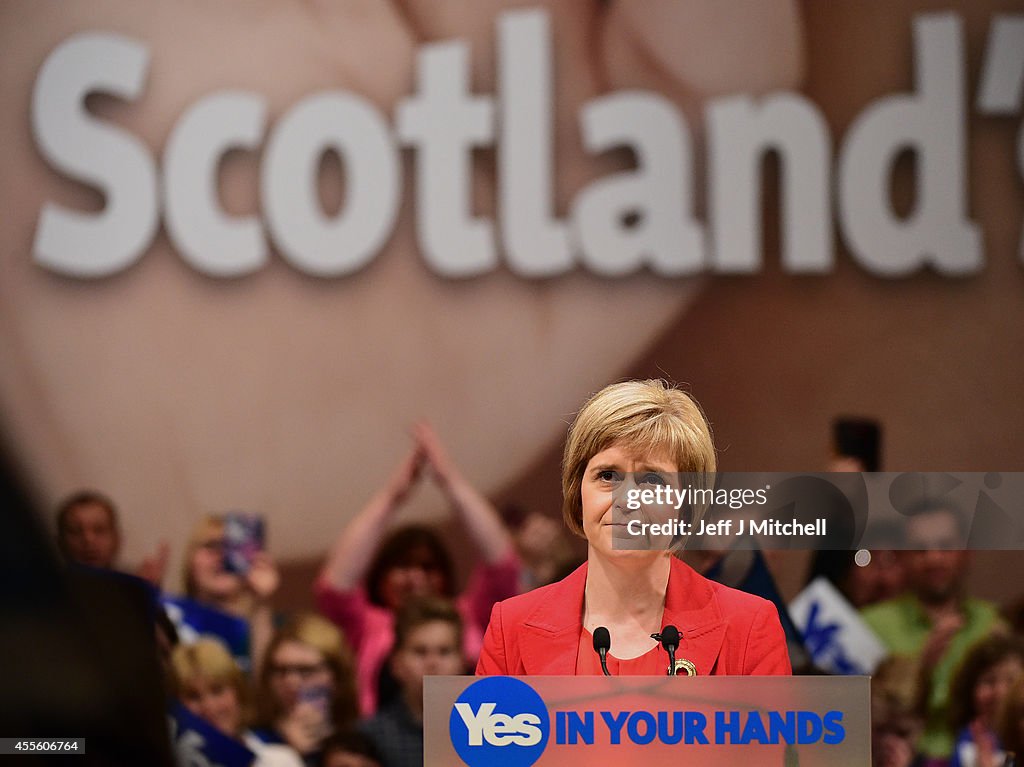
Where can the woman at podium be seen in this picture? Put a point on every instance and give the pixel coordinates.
(636, 434)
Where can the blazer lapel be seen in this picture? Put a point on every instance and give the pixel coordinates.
(691, 606)
(551, 633)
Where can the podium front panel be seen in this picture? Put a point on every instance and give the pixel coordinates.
(811, 721)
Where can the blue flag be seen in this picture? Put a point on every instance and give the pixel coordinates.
(197, 743)
(193, 619)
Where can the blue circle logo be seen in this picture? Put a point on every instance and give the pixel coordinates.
(499, 721)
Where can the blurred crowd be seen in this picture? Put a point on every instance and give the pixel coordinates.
(342, 687)
(245, 683)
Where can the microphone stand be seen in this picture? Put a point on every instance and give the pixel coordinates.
(669, 638)
(602, 644)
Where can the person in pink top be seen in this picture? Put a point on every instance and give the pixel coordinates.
(368, 577)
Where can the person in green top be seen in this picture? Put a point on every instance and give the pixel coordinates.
(934, 623)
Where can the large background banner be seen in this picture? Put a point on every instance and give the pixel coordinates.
(245, 245)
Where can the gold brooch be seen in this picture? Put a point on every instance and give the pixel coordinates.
(685, 665)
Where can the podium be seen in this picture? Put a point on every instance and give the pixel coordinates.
(718, 721)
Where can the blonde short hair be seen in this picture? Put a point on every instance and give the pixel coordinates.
(645, 417)
(208, 659)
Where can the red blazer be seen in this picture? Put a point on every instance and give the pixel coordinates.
(724, 631)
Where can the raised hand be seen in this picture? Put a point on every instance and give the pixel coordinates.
(406, 474)
(154, 566)
(434, 453)
(305, 726)
(263, 577)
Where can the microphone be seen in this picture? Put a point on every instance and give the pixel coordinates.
(602, 644)
(669, 638)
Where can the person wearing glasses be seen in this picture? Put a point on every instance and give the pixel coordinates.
(630, 430)
(305, 690)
